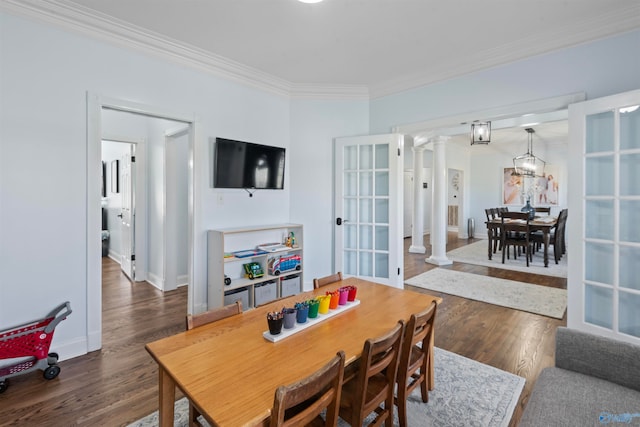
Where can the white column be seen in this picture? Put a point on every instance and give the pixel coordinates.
(417, 231)
(439, 227)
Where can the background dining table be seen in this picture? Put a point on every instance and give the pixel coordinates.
(230, 372)
(544, 223)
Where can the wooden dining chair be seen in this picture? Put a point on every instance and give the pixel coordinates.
(556, 238)
(374, 383)
(195, 320)
(301, 403)
(327, 280)
(416, 360)
(515, 233)
(543, 209)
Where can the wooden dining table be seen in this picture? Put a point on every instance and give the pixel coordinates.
(230, 372)
(544, 223)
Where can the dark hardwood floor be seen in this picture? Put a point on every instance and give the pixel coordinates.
(118, 384)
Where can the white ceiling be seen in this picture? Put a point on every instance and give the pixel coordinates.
(384, 46)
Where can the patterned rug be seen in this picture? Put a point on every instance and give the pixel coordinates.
(476, 253)
(467, 393)
(536, 299)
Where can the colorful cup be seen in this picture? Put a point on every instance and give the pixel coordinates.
(344, 295)
(275, 325)
(289, 317)
(325, 300)
(314, 304)
(352, 293)
(302, 312)
(335, 298)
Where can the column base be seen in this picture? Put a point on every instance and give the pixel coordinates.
(417, 249)
(438, 261)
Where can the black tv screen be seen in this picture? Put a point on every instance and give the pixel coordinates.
(239, 164)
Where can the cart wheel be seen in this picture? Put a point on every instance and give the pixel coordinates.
(51, 372)
(4, 385)
(52, 358)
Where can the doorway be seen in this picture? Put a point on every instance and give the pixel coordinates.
(124, 118)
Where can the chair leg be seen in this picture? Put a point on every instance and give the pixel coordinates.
(401, 402)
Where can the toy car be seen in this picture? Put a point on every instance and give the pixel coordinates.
(284, 263)
(253, 270)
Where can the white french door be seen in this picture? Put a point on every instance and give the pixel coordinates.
(368, 207)
(604, 231)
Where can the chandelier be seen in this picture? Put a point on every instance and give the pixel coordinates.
(528, 164)
(480, 132)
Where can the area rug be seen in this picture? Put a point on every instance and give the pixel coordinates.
(476, 253)
(528, 297)
(466, 393)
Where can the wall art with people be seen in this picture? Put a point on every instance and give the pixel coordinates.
(543, 190)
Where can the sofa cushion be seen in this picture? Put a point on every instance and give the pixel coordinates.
(566, 398)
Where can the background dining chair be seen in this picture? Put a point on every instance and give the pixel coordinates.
(556, 238)
(543, 209)
(515, 233)
(195, 320)
(327, 280)
(416, 360)
(494, 235)
(300, 403)
(375, 380)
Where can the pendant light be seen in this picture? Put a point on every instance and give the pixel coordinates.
(480, 132)
(528, 165)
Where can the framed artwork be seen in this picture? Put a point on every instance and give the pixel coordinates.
(512, 190)
(115, 176)
(547, 187)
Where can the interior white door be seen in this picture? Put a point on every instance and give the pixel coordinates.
(604, 232)
(368, 207)
(407, 220)
(127, 214)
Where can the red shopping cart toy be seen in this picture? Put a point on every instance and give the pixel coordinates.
(25, 348)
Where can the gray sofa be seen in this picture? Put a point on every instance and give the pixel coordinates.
(595, 381)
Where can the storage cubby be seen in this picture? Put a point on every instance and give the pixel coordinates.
(229, 249)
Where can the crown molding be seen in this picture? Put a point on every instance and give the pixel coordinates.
(79, 19)
(575, 33)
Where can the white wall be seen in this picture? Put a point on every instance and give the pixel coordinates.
(45, 75)
(314, 124)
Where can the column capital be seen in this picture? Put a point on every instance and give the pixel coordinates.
(439, 139)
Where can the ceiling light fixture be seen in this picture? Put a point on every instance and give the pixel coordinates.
(480, 132)
(528, 165)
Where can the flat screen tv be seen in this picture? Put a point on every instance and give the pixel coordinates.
(239, 164)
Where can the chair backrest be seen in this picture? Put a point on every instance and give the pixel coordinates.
(301, 402)
(195, 320)
(419, 329)
(560, 227)
(543, 209)
(327, 280)
(379, 359)
(502, 209)
(522, 224)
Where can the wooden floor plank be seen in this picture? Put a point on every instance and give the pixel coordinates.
(118, 385)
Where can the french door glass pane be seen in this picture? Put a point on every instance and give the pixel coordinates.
(382, 238)
(366, 237)
(382, 211)
(382, 156)
(366, 157)
(382, 265)
(351, 157)
(350, 209)
(629, 221)
(629, 315)
(350, 236)
(598, 219)
(599, 262)
(382, 183)
(599, 176)
(366, 210)
(598, 306)
(350, 183)
(629, 268)
(599, 132)
(629, 129)
(350, 263)
(366, 184)
(366, 264)
(630, 174)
